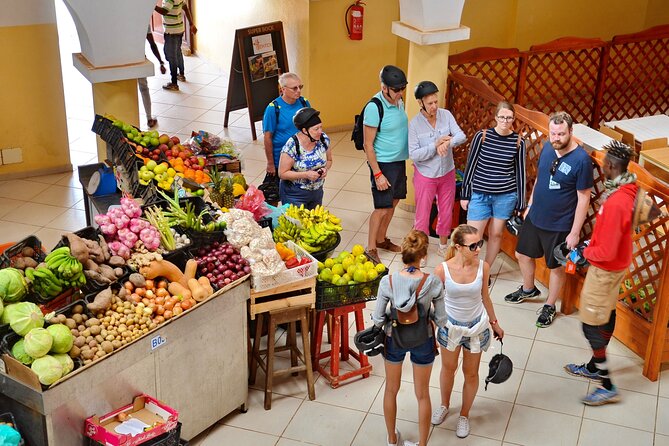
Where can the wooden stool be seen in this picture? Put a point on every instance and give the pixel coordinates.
(275, 317)
(340, 344)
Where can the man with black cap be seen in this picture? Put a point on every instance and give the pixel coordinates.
(609, 254)
(386, 147)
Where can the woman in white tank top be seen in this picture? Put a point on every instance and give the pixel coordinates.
(470, 317)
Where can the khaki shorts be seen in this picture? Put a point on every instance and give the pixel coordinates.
(599, 295)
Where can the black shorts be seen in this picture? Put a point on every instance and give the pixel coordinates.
(396, 174)
(535, 242)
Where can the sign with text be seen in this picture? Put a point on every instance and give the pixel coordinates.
(262, 44)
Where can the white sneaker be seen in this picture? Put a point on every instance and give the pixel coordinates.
(463, 427)
(441, 252)
(439, 415)
(410, 443)
(399, 439)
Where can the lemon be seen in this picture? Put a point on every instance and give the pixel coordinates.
(372, 274)
(352, 282)
(338, 269)
(348, 261)
(369, 265)
(328, 263)
(360, 275)
(361, 258)
(320, 266)
(325, 275)
(344, 254)
(351, 269)
(347, 277)
(357, 250)
(335, 278)
(341, 282)
(380, 268)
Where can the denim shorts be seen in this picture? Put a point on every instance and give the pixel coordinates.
(483, 206)
(484, 338)
(422, 355)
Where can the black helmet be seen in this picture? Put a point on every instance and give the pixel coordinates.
(393, 77)
(562, 254)
(370, 340)
(514, 223)
(306, 117)
(425, 88)
(500, 369)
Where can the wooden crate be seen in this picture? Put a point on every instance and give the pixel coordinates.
(283, 296)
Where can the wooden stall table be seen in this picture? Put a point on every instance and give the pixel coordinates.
(656, 161)
(590, 138)
(644, 128)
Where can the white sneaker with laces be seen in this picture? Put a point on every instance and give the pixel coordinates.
(463, 427)
(399, 439)
(439, 415)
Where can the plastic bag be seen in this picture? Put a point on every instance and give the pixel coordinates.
(276, 212)
(9, 436)
(253, 201)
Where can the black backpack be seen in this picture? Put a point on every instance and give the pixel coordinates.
(277, 107)
(297, 144)
(358, 135)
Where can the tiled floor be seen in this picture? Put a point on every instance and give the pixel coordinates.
(539, 405)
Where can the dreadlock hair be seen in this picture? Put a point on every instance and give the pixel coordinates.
(414, 246)
(619, 154)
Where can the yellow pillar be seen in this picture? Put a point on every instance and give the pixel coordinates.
(425, 63)
(118, 99)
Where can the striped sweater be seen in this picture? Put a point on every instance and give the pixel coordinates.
(173, 21)
(496, 167)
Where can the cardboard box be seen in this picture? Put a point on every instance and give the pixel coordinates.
(145, 409)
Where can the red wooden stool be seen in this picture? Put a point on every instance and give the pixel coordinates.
(340, 344)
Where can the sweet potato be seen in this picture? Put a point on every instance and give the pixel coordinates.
(116, 261)
(91, 265)
(78, 247)
(108, 272)
(102, 301)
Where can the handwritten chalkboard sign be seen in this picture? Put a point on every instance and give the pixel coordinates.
(258, 57)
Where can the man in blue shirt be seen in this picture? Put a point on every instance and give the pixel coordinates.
(387, 150)
(555, 212)
(277, 122)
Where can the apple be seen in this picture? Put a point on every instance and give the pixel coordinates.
(175, 139)
(164, 138)
(155, 157)
(163, 148)
(146, 152)
(183, 156)
(174, 152)
(156, 151)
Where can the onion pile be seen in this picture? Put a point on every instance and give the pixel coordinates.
(221, 263)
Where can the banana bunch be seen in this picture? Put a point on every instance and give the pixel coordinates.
(44, 281)
(318, 230)
(66, 267)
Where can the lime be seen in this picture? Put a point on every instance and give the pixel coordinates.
(338, 269)
(352, 282)
(360, 275)
(380, 268)
(357, 250)
(320, 266)
(325, 275)
(347, 277)
(372, 274)
(341, 281)
(351, 269)
(328, 263)
(348, 261)
(344, 254)
(335, 278)
(361, 258)
(369, 265)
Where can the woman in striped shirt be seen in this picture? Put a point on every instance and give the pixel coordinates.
(494, 182)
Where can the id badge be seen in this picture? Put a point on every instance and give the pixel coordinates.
(570, 268)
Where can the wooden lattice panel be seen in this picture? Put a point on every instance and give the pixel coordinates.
(499, 67)
(562, 75)
(636, 82)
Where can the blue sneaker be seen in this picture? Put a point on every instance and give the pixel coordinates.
(582, 371)
(602, 396)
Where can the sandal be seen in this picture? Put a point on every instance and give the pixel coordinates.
(388, 245)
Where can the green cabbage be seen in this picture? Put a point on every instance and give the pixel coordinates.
(13, 285)
(48, 369)
(37, 342)
(66, 362)
(4, 317)
(24, 317)
(2, 308)
(62, 338)
(19, 352)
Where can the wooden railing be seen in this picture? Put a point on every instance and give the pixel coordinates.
(643, 306)
(592, 79)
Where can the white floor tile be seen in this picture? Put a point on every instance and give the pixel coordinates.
(530, 426)
(595, 432)
(551, 358)
(487, 418)
(643, 406)
(373, 431)
(662, 424)
(552, 393)
(661, 440)
(322, 424)
(222, 434)
(272, 422)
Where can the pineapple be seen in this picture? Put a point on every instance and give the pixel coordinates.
(215, 187)
(228, 197)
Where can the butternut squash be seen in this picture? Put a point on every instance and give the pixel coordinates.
(177, 289)
(166, 269)
(204, 281)
(190, 270)
(199, 292)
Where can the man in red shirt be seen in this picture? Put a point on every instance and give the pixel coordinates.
(609, 254)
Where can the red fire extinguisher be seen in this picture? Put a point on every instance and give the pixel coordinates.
(354, 20)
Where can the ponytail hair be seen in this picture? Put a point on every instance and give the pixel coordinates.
(414, 246)
(458, 238)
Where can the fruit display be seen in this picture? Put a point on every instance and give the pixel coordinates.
(186, 216)
(61, 270)
(123, 228)
(312, 229)
(221, 189)
(147, 139)
(221, 263)
(161, 173)
(349, 268)
(26, 258)
(13, 285)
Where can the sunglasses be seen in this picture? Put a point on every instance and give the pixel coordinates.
(554, 166)
(474, 246)
(397, 90)
(295, 88)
